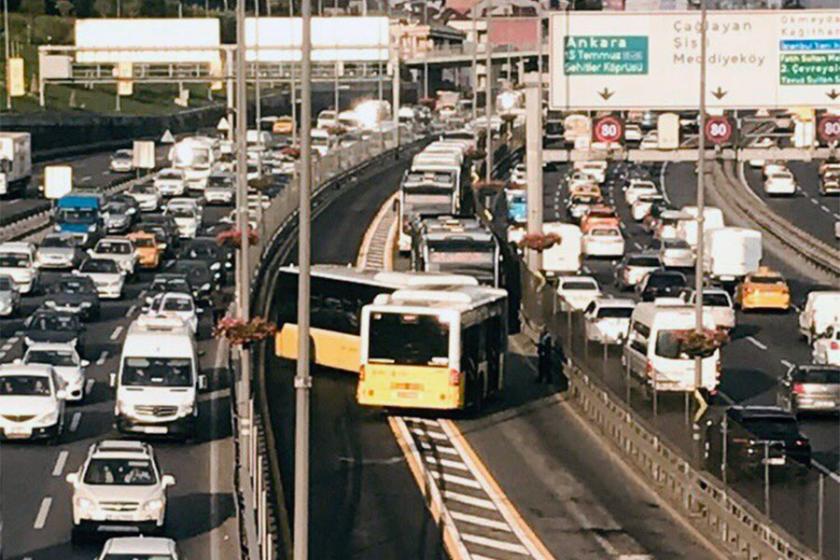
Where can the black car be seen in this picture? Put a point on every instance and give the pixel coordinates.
(218, 258)
(661, 283)
(203, 280)
(756, 436)
(73, 294)
(164, 282)
(46, 325)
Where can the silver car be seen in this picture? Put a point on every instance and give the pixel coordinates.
(9, 296)
(810, 388)
(59, 250)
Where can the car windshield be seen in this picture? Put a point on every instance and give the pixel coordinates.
(163, 372)
(144, 242)
(177, 304)
(14, 260)
(136, 556)
(826, 376)
(181, 212)
(579, 285)
(776, 427)
(72, 286)
(115, 208)
(649, 262)
(113, 248)
(202, 251)
(57, 241)
(716, 300)
(766, 280)
(101, 266)
(52, 357)
(143, 189)
(76, 215)
(170, 285)
(615, 312)
(676, 244)
(171, 174)
(666, 280)
(25, 386)
(602, 232)
(408, 339)
(123, 155)
(120, 472)
(53, 322)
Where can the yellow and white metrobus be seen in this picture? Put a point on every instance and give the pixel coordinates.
(338, 294)
(440, 349)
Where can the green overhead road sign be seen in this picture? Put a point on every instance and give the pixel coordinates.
(809, 69)
(613, 55)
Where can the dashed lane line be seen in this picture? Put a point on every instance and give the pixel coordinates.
(117, 332)
(75, 421)
(89, 386)
(786, 363)
(43, 512)
(131, 311)
(755, 342)
(102, 357)
(60, 461)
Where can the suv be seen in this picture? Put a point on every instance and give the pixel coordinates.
(120, 548)
(756, 436)
(119, 487)
(17, 259)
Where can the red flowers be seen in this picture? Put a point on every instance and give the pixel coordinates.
(700, 344)
(539, 241)
(233, 237)
(239, 332)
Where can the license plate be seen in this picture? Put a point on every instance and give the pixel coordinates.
(18, 433)
(773, 461)
(823, 404)
(407, 394)
(120, 517)
(155, 429)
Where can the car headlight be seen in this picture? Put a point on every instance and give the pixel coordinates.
(186, 408)
(48, 418)
(205, 287)
(85, 304)
(215, 266)
(50, 303)
(83, 504)
(91, 228)
(153, 505)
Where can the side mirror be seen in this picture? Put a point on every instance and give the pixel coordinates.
(85, 363)
(202, 382)
(61, 394)
(72, 478)
(112, 379)
(167, 480)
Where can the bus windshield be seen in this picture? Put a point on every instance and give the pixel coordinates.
(76, 215)
(408, 339)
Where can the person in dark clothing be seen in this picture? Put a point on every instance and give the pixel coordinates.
(544, 351)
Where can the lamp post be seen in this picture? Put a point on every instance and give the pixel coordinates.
(6, 39)
(488, 92)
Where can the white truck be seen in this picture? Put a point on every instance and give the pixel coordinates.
(15, 161)
(566, 256)
(730, 253)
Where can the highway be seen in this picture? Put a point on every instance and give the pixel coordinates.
(762, 347)
(36, 509)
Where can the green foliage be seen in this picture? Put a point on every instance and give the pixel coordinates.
(104, 8)
(64, 7)
(33, 7)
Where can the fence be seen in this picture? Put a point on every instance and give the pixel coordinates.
(766, 514)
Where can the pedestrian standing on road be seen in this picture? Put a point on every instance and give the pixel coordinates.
(544, 356)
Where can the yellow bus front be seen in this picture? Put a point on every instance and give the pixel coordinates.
(407, 386)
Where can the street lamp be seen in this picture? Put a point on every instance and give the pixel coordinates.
(6, 33)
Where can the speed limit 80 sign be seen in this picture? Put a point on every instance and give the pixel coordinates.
(828, 128)
(608, 129)
(718, 130)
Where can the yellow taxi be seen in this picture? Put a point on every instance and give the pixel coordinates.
(147, 249)
(283, 125)
(763, 289)
(585, 189)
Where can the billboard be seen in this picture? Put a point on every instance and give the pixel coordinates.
(348, 39)
(754, 59)
(148, 40)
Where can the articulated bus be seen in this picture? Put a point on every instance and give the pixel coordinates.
(441, 349)
(338, 294)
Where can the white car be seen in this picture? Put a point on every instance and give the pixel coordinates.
(632, 133)
(780, 183)
(577, 292)
(650, 141)
(118, 249)
(122, 161)
(32, 402)
(675, 253)
(106, 275)
(764, 143)
(579, 179)
(152, 548)
(634, 267)
(176, 304)
(65, 361)
(772, 167)
(147, 195)
(171, 182)
(826, 348)
(597, 170)
(717, 302)
(17, 260)
(120, 487)
(641, 207)
(637, 188)
(187, 215)
(603, 242)
(607, 320)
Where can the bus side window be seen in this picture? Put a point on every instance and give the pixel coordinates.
(470, 343)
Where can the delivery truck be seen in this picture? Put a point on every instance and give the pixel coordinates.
(730, 253)
(15, 162)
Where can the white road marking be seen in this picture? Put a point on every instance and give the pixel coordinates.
(493, 543)
(74, 422)
(469, 500)
(43, 512)
(439, 448)
(482, 521)
(786, 363)
(825, 208)
(102, 357)
(455, 479)
(106, 172)
(433, 435)
(131, 311)
(85, 178)
(89, 386)
(815, 201)
(757, 343)
(117, 332)
(60, 462)
(14, 339)
(446, 463)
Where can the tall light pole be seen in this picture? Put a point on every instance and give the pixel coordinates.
(6, 34)
(303, 382)
(488, 92)
(293, 86)
(257, 84)
(701, 204)
(474, 11)
(426, 50)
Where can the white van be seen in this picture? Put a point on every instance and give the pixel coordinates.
(158, 380)
(822, 310)
(687, 228)
(653, 349)
(565, 257)
(730, 253)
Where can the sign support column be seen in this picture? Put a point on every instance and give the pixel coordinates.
(533, 162)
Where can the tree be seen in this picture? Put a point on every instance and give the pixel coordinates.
(153, 8)
(33, 8)
(84, 8)
(64, 7)
(102, 7)
(132, 8)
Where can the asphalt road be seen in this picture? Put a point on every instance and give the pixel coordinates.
(762, 347)
(34, 497)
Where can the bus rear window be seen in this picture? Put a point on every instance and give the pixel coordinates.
(408, 339)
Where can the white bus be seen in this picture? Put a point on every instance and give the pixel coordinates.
(457, 246)
(425, 193)
(438, 349)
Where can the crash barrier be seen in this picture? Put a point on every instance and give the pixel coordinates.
(263, 517)
(745, 516)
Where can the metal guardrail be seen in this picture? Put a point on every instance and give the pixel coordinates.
(721, 514)
(819, 254)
